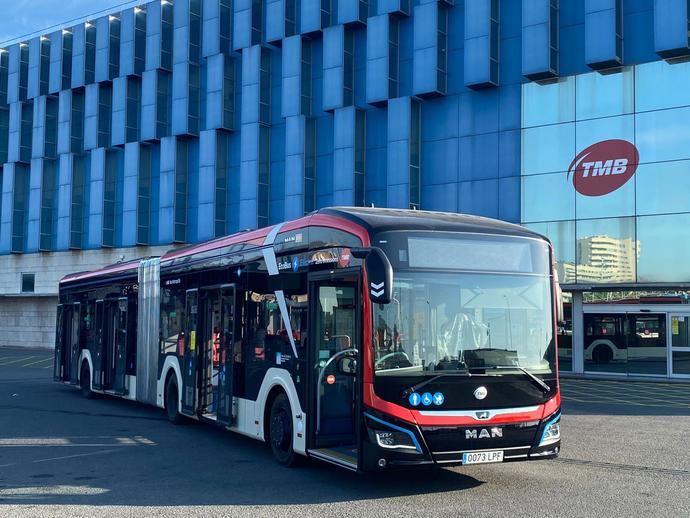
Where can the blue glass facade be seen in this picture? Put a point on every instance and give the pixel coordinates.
(217, 116)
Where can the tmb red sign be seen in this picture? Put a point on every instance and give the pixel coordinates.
(604, 167)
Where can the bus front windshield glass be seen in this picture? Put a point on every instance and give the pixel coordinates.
(445, 322)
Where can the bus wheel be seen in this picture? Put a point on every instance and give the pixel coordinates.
(172, 401)
(280, 431)
(85, 381)
(602, 354)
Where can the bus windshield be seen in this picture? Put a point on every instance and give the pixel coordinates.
(443, 322)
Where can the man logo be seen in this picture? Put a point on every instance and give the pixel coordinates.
(484, 433)
(482, 416)
(604, 167)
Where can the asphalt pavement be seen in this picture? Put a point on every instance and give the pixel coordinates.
(625, 453)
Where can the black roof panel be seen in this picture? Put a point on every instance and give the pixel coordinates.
(381, 220)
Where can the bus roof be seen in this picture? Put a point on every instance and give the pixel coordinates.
(369, 219)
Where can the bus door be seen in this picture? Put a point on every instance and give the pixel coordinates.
(334, 350)
(75, 343)
(97, 357)
(61, 341)
(120, 357)
(189, 363)
(226, 354)
(208, 348)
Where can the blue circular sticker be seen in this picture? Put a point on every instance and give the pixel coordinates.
(426, 399)
(438, 399)
(415, 399)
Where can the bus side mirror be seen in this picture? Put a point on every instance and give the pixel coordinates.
(379, 273)
(347, 366)
(560, 312)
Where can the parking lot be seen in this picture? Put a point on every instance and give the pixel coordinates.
(625, 452)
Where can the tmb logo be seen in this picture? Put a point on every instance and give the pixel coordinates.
(604, 167)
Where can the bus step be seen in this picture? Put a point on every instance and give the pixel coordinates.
(343, 456)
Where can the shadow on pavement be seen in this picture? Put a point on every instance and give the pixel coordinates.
(186, 465)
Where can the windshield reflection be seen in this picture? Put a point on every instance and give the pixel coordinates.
(457, 321)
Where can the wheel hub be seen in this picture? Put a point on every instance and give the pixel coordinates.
(279, 431)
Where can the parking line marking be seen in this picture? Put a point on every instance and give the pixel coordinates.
(39, 361)
(17, 360)
(73, 456)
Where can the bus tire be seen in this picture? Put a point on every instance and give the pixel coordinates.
(280, 431)
(85, 381)
(602, 354)
(172, 399)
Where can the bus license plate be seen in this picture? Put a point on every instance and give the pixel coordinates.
(482, 457)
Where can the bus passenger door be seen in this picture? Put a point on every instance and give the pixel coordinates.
(120, 360)
(226, 360)
(75, 343)
(97, 357)
(189, 363)
(334, 352)
(61, 340)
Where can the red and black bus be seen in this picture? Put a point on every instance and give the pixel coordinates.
(368, 338)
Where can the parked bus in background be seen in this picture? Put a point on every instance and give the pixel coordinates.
(367, 338)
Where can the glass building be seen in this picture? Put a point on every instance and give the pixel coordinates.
(176, 121)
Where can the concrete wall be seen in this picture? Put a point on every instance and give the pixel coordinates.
(28, 320)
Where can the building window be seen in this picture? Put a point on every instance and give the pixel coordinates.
(360, 156)
(415, 152)
(265, 87)
(28, 282)
(105, 102)
(166, 36)
(195, 31)
(290, 18)
(27, 121)
(257, 22)
(48, 194)
(77, 122)
(19, 207)
(66, 69)
(77, 206)
(90, 53)
(181, 192)
(139, 40)
(222, 174)
(393, 56)
(495, 42)
(44, 66)
(553, 36)
(309, 165)
(162, 104)
(144, 195)
(263, 201)
(109, 198)
(305, 88)
(229, 94)
(50, 134)
(326, 9)
(348, 67)
(442, 49)
(133, 109)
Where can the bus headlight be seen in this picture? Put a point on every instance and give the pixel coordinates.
(390, 439)
(552, 432)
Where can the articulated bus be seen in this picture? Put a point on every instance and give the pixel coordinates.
(369, 338)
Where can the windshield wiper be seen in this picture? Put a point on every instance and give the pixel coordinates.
(423, 383)
(537, 381)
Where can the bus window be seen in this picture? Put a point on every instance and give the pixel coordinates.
(172, 313)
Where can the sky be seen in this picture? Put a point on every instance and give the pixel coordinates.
(20, 17)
